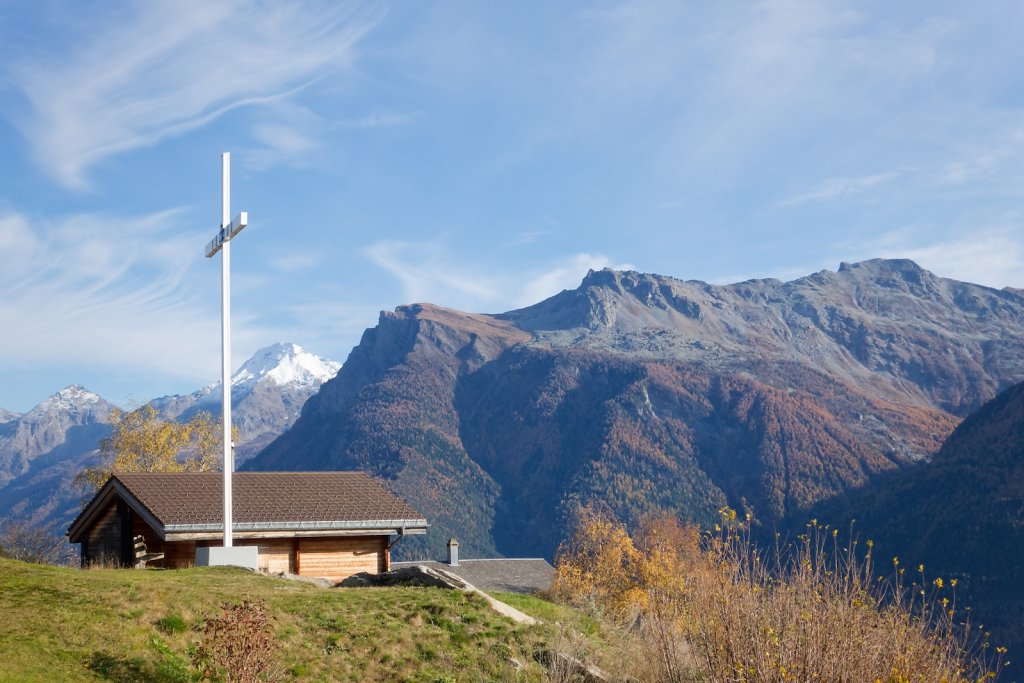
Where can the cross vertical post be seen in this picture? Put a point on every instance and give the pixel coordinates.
(222, 243)
(225, 341)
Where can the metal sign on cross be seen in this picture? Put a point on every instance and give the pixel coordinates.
(222, 243)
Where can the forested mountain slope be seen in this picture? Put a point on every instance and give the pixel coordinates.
(642, 392)
(961, 515)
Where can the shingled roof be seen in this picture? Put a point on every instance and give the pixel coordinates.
(513, 575)
(193, 503)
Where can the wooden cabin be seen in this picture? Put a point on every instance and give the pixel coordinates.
(317, 524)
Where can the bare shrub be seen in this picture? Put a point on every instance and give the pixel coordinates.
(21, 540)
(238, 646)
(563, 659)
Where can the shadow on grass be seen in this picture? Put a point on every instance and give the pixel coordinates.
(131, 670)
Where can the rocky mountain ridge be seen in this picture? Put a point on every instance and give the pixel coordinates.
(641, 392)
(267, 393)
(867, 322)
(70, 415)
(42, 451)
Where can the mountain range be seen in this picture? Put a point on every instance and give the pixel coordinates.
(48, 445)
(639, 392)
(42, 450)
(267, 393)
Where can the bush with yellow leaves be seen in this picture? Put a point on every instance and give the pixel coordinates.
(711, 607)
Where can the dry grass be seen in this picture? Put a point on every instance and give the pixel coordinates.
(713, 608)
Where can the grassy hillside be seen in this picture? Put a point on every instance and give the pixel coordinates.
(63, 624)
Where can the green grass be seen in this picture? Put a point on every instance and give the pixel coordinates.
(550, 612)
(576, 633)
(59, 624)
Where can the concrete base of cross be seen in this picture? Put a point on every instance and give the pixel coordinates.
(245, 556)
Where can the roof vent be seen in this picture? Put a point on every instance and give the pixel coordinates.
(453, 552)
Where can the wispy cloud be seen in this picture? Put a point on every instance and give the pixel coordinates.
(296, 262)
(790, 91)
(980, 162)
(294, 135)
(835, 188)
(17, 240)
(563, 274)
(171, 67)
(428, 272)
(993, 257)
(278, 143)
(377, 120)
(123, 293)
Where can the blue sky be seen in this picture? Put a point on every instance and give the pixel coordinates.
(476, 155)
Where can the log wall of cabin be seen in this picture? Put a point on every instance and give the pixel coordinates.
(103, 542)
(178, 555)
(276, 554)
(340, 557)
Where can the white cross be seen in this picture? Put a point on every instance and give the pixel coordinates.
(222, 243)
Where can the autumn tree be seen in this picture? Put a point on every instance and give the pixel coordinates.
(637, 582)
(142, 441)
(597, 567)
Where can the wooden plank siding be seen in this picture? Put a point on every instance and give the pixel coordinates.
(276, 555)
(340, 557)
(180, 555)
(103, 540)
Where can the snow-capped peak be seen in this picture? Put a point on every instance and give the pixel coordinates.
(285, 364)
(70, 397)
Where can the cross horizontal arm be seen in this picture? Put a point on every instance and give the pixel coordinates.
(226, 233)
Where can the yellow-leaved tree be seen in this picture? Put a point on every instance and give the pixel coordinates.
(598, 567)
(638, 583)
(142, 441)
